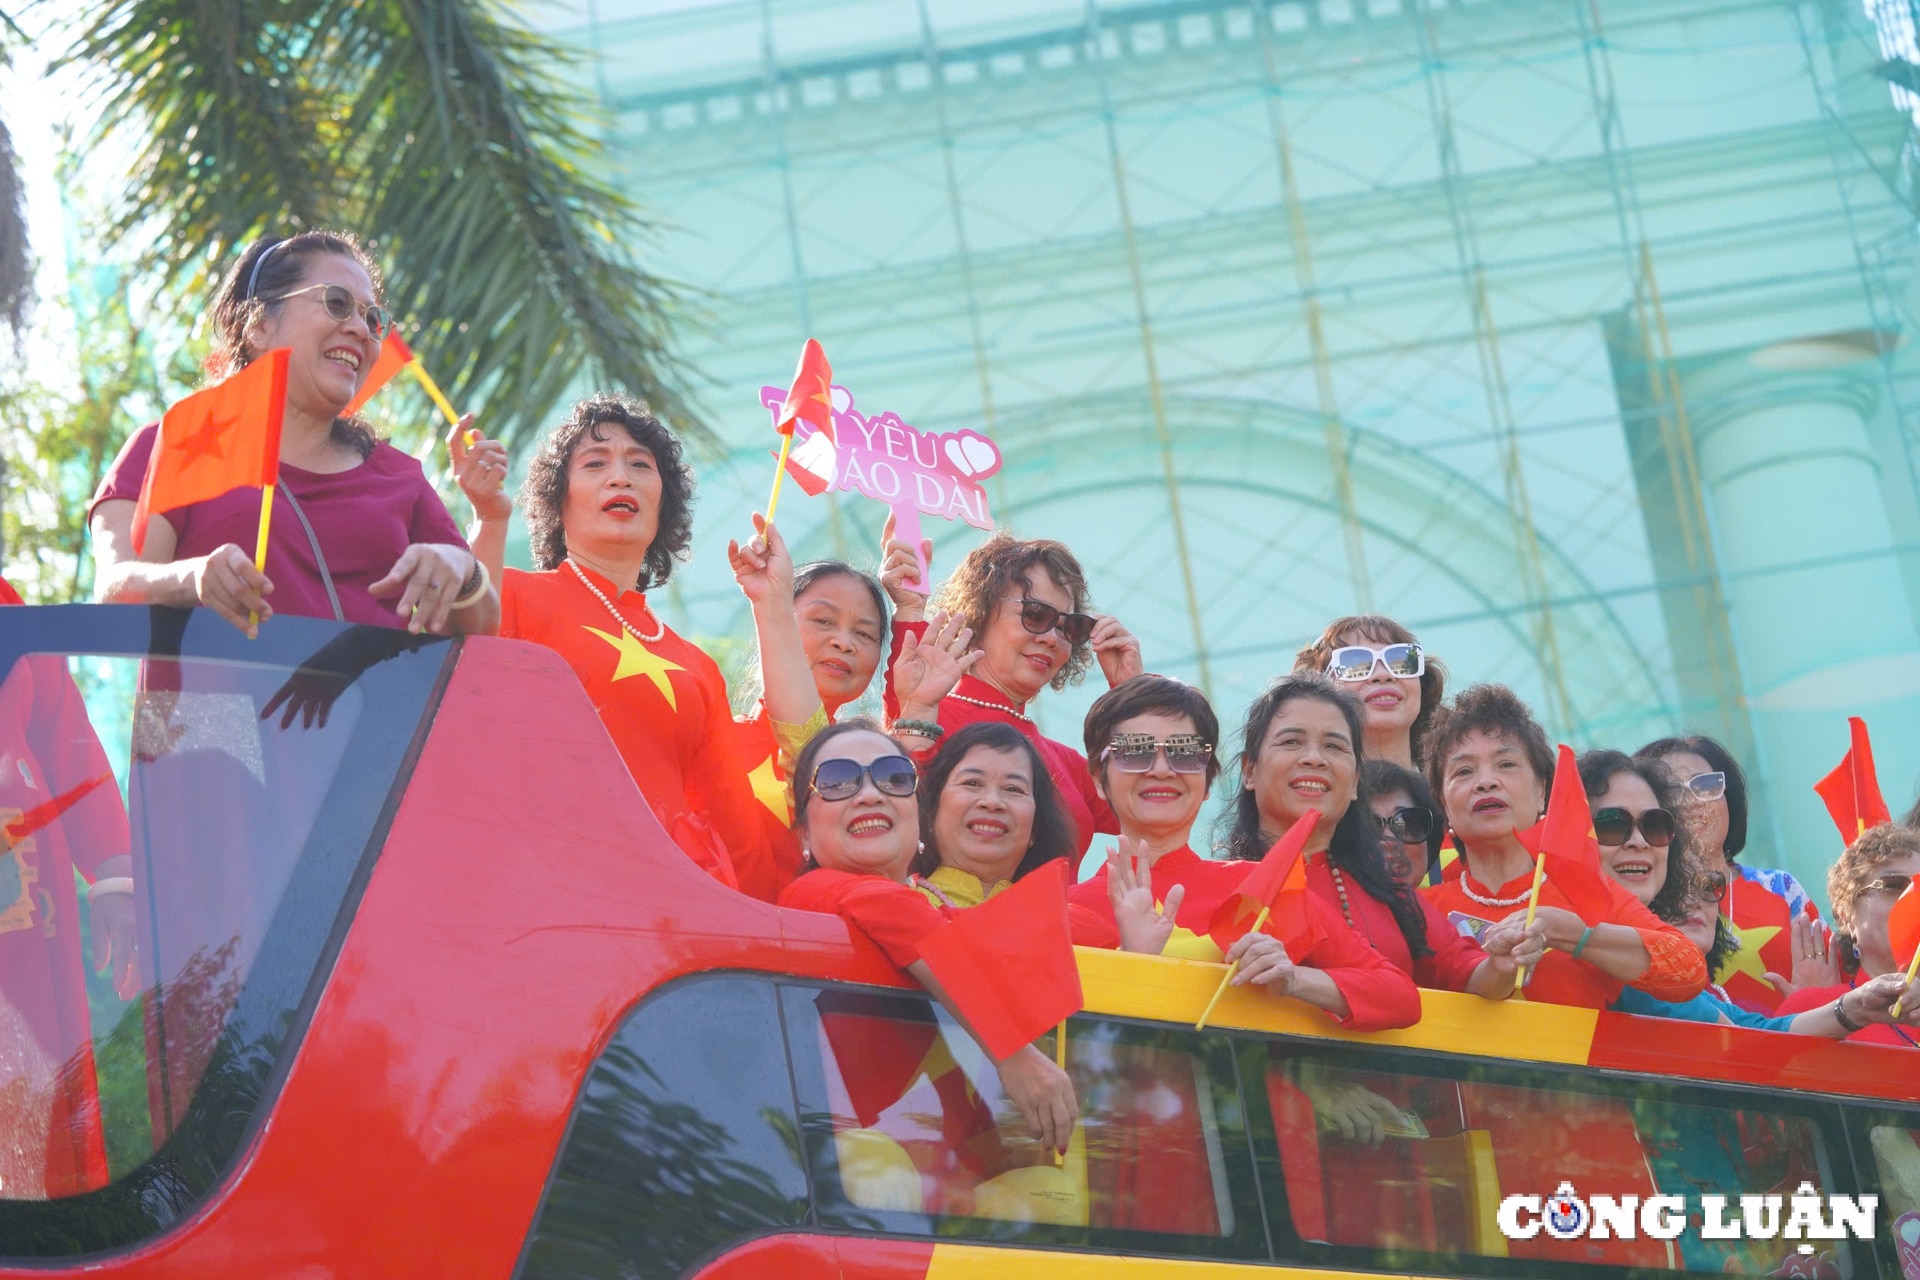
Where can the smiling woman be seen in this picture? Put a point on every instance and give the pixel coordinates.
(609, 506)
(362, 536)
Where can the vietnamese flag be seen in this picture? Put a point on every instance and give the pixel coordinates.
(810, 399)
(1852, 790)
(395, 355)
(1903, 925)
(1565, 838)
(40, 815)
(223, 438)
(1278, 884)
(1008, 963)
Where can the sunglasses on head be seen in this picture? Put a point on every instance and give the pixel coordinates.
(1135, 752)
(343, 306)
(1356, 661)
(1410, 825)
(1039, 617)
(1615, 827)
(841, 779)
(1707, 786)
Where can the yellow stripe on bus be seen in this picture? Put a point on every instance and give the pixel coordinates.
(972, 1262)
(1163, 990)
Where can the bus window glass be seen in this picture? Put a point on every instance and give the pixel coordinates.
(177, 834)
(1415, 1166)
(1896, 1158)
(684, 1140)
(911, 1131)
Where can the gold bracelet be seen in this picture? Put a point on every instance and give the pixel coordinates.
(474, 596)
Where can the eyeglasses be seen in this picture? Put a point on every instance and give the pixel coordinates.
(1895, 883)
(343, 306)
(1356, 661)
(1039, 617)
(841, 779)
(1714, 886)
(1410, 825)
(1135, 752)
(1707, 786)
(1615, 827)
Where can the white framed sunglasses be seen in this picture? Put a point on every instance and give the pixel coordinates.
(1355, 662)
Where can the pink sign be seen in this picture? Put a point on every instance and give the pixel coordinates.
(914, 472)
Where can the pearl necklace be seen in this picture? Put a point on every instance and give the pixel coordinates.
(991, 706)
(1340, 887)
(1466, 887)
(619, 617)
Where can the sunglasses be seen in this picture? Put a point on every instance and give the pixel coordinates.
(1714, 885)
(841, 779)
(1356, 661)
(343, 306)
(1707, 786)
(1135, 752)
(1895, 883)
(1039, 617)
(1411, 825)
(1615, 827)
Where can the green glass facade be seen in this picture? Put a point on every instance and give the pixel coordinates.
(1569, 334)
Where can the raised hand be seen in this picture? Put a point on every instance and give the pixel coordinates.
(763, 567)
(898, 567)
(480, 469)
(1144, 924)
(1813, 962)
(1117, 648)
(930, 665)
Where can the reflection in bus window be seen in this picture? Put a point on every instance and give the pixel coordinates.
(1896, 1157)
(920, 1125)
(179, 833)
(1413, 1164)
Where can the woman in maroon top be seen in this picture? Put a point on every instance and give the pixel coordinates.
(1026, 602)
(357, 533)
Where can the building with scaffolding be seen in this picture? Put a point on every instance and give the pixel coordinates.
(1570, 335)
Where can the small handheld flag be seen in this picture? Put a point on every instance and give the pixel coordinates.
(810, 400)
(1903, 932)
(1008, 963)
(214, 441)
(1852, 790)
(1567, 850)
(395, 356)
(1275, 887)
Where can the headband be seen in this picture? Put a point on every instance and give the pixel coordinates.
(253, 278)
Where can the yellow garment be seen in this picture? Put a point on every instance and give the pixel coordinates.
(790, 738)
(1184, 944)
(963, 888)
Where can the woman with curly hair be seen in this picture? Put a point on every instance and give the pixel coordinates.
(358, 533)
(609, 507)
(1863, 886)
(1398, 683)
(1025, 602)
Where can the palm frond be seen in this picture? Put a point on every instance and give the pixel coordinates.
(16, 258)
(235, 136)
(438, 130)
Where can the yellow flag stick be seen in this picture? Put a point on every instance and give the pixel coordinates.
(260, 545)
(433, 391)
(1533, 905)
(1232, 969)
(1913, 967)
(779, 474)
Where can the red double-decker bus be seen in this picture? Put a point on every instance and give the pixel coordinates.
(423, 990)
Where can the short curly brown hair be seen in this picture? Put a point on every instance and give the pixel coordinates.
(993, 569)
(544, 495)
(1485, 708)
(1382, 630)
(1861, 865)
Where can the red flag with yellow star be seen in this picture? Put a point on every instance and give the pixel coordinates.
(1566, 841)
(1008, 963)
(1852, 790)
(1279, 882)
(223, 438)
(1903, 925)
